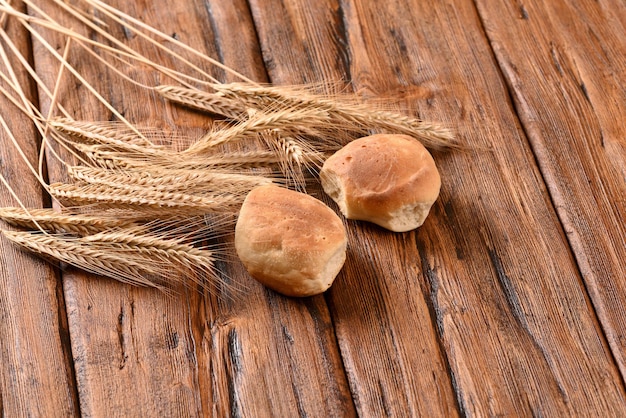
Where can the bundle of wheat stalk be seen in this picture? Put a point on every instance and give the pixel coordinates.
(141, 211)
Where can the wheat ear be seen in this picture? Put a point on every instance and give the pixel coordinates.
(189, 181)
(97, 157)
(173, 253)
(76, 253)
(236, 160)
(56, 222)
(89, 133)
(95, 131)
(352, 115)
(201, 100)
(143, 199)
(290, 121)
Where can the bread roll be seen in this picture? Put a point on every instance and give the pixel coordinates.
(290, 241)
(390, 180)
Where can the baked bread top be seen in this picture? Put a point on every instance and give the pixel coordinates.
(387, 179)
(290, 241)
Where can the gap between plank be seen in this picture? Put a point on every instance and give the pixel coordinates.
(46, 200)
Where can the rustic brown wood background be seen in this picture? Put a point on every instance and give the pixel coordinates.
(509, 301)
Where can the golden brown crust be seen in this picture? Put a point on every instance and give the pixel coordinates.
(390, 180)
(290, 241)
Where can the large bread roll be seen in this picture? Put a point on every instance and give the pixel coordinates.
(290, 241)
(390, 180)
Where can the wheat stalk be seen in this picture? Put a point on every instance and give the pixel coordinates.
(167, 180)
(172, 252)
(292, 121)
(200, 100)
(353, 115)
(142, 198)
(56, 222)
(74, 252)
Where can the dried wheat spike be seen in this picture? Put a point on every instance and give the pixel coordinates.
(55, 222)
(201, 100)
(295, 154)
(167, 180)
(292, 150)
(94, 132)
(291, 121)
(236, 160)
(97, 157)
(166, 203)
(74, 252)
(349, 114)
(91, 133)
(173, 253)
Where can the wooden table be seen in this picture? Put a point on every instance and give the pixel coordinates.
(508, 301)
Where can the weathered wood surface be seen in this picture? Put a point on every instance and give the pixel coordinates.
(508, 301)
(36, 376)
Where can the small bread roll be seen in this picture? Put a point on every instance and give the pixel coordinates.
(290, 241)
(390, 180)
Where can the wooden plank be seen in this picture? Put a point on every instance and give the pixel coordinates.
(36, 376)
(502, 208)
(492, 263)
(141, 353)
(378, 307)
(569, 91)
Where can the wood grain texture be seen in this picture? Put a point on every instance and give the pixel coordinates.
(507, 302)
(504, 292)
(569, 90)
(389, 372)
(520, 304)
(194, 353)
(36, 376)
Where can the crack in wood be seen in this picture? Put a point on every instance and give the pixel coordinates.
(66, 344)
(121, 338)
(508, 290)
(172, 340)
(555, 59)
(234, 371)
(523, 12)
(436, 316)
(517, 311)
